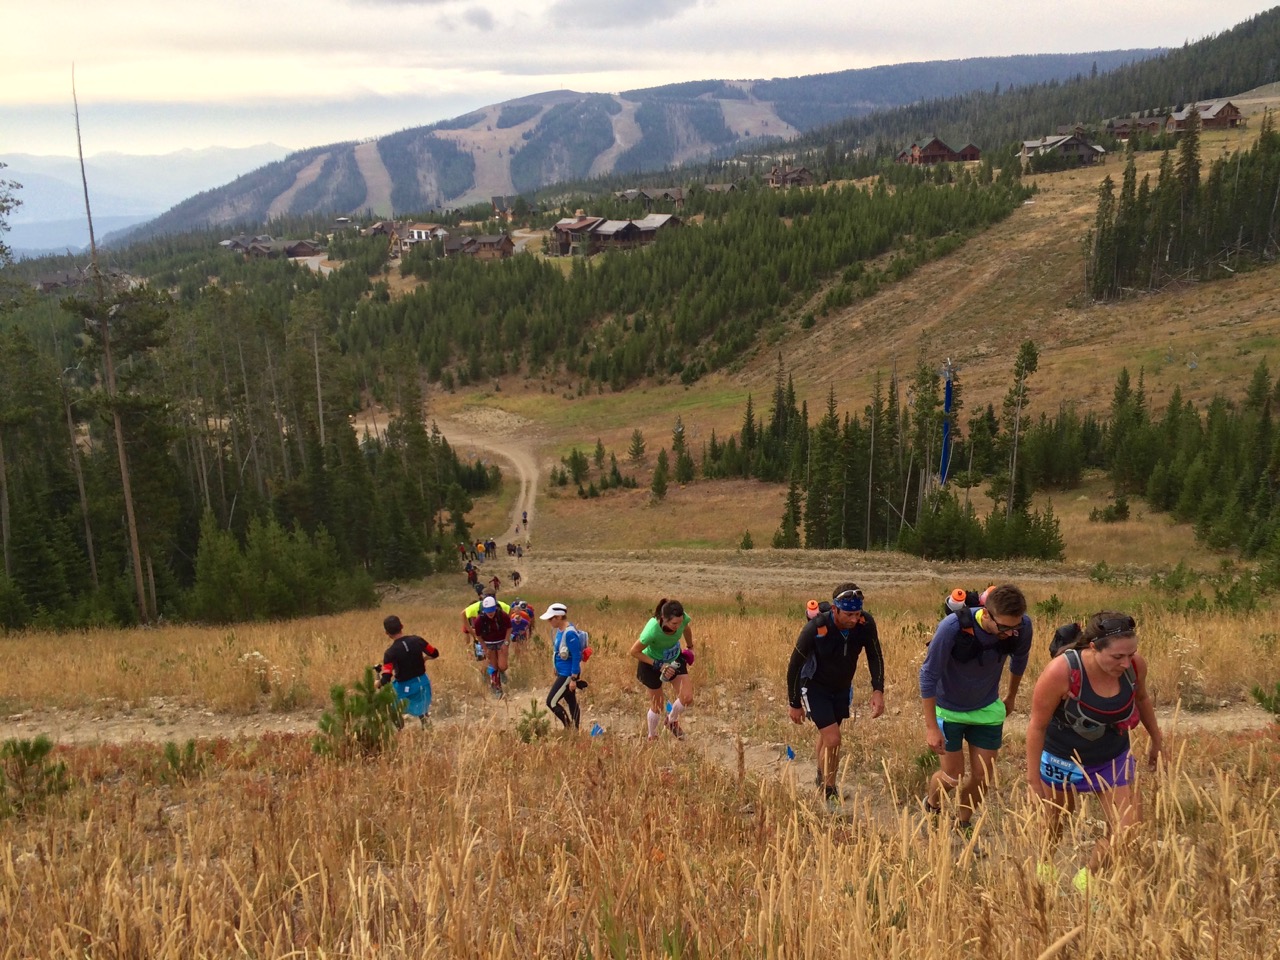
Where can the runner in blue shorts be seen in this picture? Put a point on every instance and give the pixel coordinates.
(1084, 704)
(404, 666)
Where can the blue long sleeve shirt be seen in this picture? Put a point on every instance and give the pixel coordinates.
(566, 652)
(975, 684)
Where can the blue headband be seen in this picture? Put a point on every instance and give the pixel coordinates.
(850, 601)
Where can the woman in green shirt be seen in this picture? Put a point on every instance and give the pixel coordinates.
(664, 660)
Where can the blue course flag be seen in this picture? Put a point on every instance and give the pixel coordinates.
(791, 754)
(596, 730)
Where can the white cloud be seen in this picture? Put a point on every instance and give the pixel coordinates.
(234, 68)
(615, 14)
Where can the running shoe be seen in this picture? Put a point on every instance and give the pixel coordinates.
(674, 727)
(1083, 881)
(1047, 873)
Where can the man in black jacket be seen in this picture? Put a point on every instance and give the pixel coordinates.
(820, 674)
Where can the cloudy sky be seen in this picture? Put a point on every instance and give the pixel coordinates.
(155, 76)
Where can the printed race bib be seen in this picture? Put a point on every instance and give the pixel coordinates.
(1060, 772)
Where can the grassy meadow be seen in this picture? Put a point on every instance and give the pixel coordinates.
(464, 841)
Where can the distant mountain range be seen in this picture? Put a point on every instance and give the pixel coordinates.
(520, 146)
(124, 190)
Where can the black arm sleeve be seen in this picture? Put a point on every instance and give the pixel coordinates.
(803, 649)
(875, 656)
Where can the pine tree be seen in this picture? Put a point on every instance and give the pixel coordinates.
(658, 487)
(636, 451)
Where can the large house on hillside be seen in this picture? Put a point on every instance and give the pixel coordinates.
(935, 151)
(583, 235)
(783, 176)
(264, 247)
(1076, 149)
(424, 232)
(1214, 115)
(494, 247)
(1122, 128)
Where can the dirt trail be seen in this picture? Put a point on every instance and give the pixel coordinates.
(510, 438)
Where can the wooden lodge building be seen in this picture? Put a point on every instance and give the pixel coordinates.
(583, 236)
(935, 151)
(1214, 115)
(1077, 150)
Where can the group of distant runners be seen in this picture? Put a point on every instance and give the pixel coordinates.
(1083, 705)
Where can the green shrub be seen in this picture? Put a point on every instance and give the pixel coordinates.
(28, 778)
(535, 723)
(361, 722)
(183, 763)
(1268, 701)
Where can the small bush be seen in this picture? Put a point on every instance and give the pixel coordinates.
(183, 763)
(1050, 609)
(535, 723)
(1112, 512)
(361, 722)
(28, 778)
(1268, 701)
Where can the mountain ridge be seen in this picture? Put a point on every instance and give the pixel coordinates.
(522, 145)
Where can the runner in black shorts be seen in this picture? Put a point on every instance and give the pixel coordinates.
(665, 650)
(820, 675)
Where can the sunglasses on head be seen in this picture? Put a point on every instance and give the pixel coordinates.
(1116, 627)
(850, 601)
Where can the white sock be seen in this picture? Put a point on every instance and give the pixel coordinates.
(677, 708)
(654, 719)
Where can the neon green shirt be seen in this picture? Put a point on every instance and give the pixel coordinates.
(473, 611)
(658, 646)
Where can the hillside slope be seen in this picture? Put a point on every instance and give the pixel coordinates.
(522, 145)
(1022, 279)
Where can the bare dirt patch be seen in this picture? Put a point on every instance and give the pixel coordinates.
(377, 181)
(307, 175)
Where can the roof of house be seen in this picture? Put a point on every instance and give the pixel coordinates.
(574, 224)
(611, 227)
(654, 221)
(492, 239)
(1208, 109)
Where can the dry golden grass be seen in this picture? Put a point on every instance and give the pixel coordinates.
(465, 842)
(471, 844)
(746, 636)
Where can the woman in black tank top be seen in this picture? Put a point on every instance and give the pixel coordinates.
(1084, 705)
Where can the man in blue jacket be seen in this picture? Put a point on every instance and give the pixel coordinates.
(960, 693)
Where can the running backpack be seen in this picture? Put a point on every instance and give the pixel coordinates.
(1089, 727)
(562, 650)
(969, 647)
